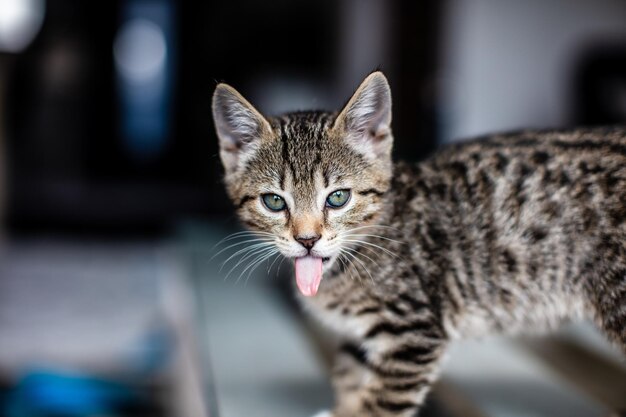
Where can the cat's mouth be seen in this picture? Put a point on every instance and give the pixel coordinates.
(309, 273)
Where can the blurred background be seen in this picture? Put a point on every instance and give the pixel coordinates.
(112, 203)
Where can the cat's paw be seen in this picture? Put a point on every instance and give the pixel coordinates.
(324, 413)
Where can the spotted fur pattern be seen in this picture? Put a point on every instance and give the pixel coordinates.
(507, 233)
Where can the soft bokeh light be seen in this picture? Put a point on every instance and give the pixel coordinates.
(20, 20)
(140, 50)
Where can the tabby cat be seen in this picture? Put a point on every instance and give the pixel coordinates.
(504, 234)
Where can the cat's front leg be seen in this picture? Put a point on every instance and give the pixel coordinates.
(348, 376)
(389, 375)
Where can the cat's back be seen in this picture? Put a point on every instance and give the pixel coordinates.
(587, 165)
(532, 191)
(539, 146)
(526, 210)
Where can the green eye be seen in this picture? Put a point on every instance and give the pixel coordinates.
(338, 198)
(274, 202)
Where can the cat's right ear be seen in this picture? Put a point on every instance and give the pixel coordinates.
(239, 126)
(365, 122)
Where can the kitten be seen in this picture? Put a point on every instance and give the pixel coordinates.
(509, 233)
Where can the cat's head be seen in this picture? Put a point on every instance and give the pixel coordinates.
(309, 181)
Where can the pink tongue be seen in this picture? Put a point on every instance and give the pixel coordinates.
(308, 274)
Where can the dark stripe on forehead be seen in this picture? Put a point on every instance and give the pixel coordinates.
(287, 160)
(283, 174)
(302, 136)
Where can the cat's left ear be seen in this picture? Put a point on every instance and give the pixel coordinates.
(240, 127)
(365, 122)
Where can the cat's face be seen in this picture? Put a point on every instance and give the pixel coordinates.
(310, 182)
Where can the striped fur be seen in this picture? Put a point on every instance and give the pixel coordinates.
(507, 233)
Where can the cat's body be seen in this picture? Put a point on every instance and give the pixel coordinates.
(506, 234)
(496, 233)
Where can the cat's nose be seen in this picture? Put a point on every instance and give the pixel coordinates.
(308, 241)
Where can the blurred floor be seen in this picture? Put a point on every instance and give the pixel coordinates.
(56, 299)
(97, 305)
(264, 365)
(83, 312)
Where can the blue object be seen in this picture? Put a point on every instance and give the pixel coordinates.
(44, 393)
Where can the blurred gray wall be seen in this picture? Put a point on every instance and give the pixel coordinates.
(509, 64)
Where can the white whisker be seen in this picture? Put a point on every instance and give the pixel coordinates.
(362, 265)
(257, 254)
(375, 236)
(347, 268)
(251, 252)
(356, 252)
(256, 264)
(245, 233)
(380, 226)
(240, 243)
(273, 262)
(363, 242)
(279, 265)
(244, 250)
